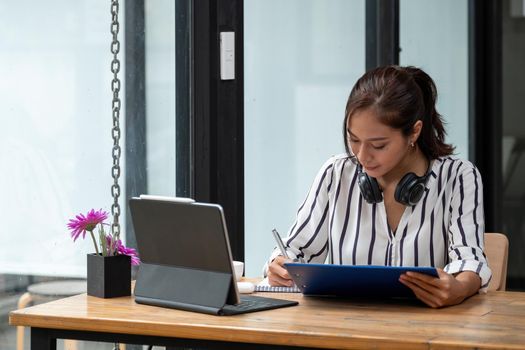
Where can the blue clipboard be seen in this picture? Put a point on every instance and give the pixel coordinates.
(353, 280)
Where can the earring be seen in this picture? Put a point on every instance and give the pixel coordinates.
(412, 144)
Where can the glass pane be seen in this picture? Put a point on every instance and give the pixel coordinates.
(55, 103)
(301, 60)
(160, 96)
(433, 35)
(514, 140)
(55, 100)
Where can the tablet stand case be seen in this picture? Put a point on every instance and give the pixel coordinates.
(183, 288)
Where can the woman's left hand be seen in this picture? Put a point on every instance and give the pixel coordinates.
(441, 291)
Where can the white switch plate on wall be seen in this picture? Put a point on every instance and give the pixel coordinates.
(227, 48)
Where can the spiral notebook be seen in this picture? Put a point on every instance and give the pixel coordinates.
(264, 286)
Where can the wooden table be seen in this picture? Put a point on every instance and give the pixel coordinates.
(492, 321)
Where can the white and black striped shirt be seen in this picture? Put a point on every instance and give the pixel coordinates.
(444, 229)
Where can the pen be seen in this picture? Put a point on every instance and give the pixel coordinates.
(280, 243)
(281, 246)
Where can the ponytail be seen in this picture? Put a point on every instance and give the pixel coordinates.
(432, 137)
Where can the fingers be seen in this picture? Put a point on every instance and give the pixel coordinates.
(435, 292)
(422, 294)
(277, 274)
(434, 285)
(424, 278)
(428, 287)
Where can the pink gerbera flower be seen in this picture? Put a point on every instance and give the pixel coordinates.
(81, 224)
(121, 249)
(110, 244)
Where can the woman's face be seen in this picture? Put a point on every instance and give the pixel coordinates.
(378, 147)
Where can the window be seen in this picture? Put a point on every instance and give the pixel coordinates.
(55, 103)
(433, 35)
(300, 65)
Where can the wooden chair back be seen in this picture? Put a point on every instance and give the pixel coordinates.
(497, 251)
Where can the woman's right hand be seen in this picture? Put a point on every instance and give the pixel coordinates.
(277, 274)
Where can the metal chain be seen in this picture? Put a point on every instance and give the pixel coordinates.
(115, 107)
(115, 132)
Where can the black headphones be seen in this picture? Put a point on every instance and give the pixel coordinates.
(409, 190)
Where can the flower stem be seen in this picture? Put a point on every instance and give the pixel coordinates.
(114, 240)
(103, 241)
(94, 241)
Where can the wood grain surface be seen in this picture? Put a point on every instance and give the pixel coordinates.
(491, 321)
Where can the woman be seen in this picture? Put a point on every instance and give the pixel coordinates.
(397, 197)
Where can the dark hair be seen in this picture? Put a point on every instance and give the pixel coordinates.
(401, 96)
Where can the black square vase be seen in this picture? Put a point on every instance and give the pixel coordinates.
(108, 276)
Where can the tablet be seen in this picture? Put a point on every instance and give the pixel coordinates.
(353, 280)
(186, 258)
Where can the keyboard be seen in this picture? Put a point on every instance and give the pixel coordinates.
(250, 303)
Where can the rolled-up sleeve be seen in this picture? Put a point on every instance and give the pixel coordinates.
(467, 226)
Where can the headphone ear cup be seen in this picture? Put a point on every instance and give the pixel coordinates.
(369, 188)
(410, 189)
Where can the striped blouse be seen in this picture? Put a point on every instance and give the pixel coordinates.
(444, 229)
